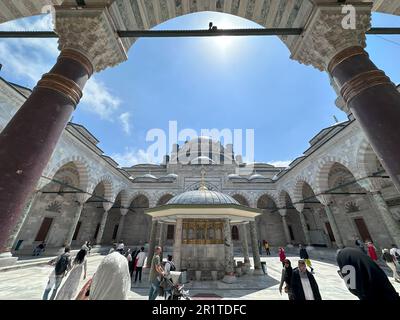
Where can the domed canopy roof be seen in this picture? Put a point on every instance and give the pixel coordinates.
(203, 197)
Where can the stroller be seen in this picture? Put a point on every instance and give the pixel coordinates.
(173, 290)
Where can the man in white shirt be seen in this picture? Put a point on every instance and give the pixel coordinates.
(140, 259)
(395, 253)
(304, 286)
(120, 247)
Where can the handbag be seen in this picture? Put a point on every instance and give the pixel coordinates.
(85, 291)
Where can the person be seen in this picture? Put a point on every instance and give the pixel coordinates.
(304, 256)
(169, 266)
(266, 246)
(121, 247)
(156, 274)
(371, 282)
(139, 262)
(390, 262)
(128, 256)
(282, 256)
(287, 278)
(69, 289)
(113, 248)
(395, 252)
(304, 286)
(39, 249)
(360, 244)
(111, 280)
(62, 265)
(372, 251)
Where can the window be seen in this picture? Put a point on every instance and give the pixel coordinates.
(170, 232)
(291, 233)
(97, 231)
(235, 233)
(115, 232)
(78, 226)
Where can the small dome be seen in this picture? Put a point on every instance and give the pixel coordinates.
(202, 197)
(202, 160)
(148, 175)
(257, 176)
(172, 175)
(235, 176)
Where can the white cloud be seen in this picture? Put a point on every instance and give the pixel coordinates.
(280, 163)
(132, 156)
(124, 118)
(29, 59)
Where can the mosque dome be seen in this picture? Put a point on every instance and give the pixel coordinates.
(257, 176)
(202, 160)
(203, 197)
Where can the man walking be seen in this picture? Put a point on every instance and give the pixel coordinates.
(140, 258)
(304, 286)
(156, 274)
(62, 266)
(304, 256)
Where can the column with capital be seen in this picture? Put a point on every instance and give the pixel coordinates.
(254, 248)
(373, 186)
(88, 43)
(80, 202)
(300, 209)
(178, 243)
(245, 244)
(283, 213)
(107, 207)
(121, 223)
(152, 242)
(330, 44)
(326, 201)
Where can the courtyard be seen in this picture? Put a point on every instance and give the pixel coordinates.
(29, 283)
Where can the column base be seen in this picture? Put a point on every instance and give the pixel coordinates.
(258, 272)
(289, 245)
(6, 259)
(229, 279)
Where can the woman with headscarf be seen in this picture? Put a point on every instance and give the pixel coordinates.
(282, 256)
(287, 278)
(111, 280)
(369, 281)
(69, 289)
(372, 251)
(391, 263)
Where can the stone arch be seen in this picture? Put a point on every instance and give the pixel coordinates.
(241, 197)
(324, 167)
(266, 195)
(138, 194)
(297, 190)
(81, 165)
(165, 197)
(109, 194)
(282, 197)
(367, 160)
(124, 196)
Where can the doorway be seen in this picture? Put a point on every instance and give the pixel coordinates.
(44, 229)
(362, 229)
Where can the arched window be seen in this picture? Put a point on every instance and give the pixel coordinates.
(235, 233)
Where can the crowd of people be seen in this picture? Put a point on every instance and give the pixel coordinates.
(115, 274)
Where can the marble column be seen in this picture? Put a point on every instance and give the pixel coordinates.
(330, 44)
(177, 256)
(254, 247)
(334, 227)
(121, 223)
(300, 209)
(229, 259)
(161, 237)
(152, 242)
(245, 244)
(391, 224)
(74, 223)
(107, 207)
(283, 212)
(88, 43)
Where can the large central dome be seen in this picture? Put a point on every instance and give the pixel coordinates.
(203, 197)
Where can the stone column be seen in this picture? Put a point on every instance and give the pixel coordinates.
(283, 213)
(334, 227)
(161, 237)
(121, 223)
(107, 207)
(391, 224)
(245, 244)
(178, 243)
(74, 223)
(300, 209)
(229, 259)
(88, 43)
(329, 44)
(152, 242)
(254, 247)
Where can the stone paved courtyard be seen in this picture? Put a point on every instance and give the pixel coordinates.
(29, 283)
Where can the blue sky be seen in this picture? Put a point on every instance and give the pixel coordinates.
(202, 83)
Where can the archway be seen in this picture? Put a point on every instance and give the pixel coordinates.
(138, 224)
(292, 218)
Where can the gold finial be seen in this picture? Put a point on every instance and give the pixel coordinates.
(202, 181)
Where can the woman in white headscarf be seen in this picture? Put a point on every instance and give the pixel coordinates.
(111, 280)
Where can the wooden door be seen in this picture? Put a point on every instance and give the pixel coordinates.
(44, 229)
(362, 229)
(330, 232)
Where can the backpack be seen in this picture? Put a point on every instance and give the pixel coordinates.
(62, 265)
(172, 268)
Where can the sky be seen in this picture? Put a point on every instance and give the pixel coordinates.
(201, 83)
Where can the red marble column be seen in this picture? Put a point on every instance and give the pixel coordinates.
(29, 139)
(375, 103)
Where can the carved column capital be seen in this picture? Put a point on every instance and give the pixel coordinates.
(282, 212)
(299, 207)
(124, 212)
(324, 35)
(92, 32)
(107, 206)
(372, 185)
(325, 199)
